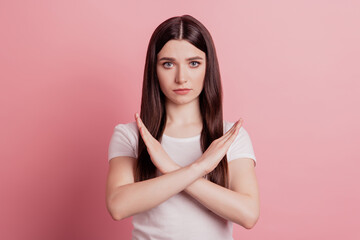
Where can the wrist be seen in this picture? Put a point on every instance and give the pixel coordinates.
(198, 168)
(170, 168)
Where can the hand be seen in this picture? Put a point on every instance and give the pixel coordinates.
(218, 148)
(157, 153)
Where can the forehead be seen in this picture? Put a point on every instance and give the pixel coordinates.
(180, 49)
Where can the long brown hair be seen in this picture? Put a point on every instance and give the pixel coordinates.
(153, 112)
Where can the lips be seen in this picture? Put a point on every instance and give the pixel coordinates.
(182, 91)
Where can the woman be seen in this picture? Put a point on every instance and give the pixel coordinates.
(179, 169)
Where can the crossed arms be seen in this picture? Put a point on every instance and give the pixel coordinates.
(239, 203)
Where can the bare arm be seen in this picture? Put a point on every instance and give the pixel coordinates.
(125, 198)
(239, 203)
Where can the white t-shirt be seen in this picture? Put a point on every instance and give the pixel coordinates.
(181, 216)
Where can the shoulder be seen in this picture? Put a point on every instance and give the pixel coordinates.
(126, 133)
(242, 146)
(242, 131)
(130, 129)
(124, 140)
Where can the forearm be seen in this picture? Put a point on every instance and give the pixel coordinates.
(236, 207)
(134, 198)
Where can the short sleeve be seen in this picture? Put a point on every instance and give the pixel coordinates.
(123, 141)
(241, 147)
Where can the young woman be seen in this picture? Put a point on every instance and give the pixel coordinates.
(179, 169)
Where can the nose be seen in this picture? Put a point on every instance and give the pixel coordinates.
(181, 75)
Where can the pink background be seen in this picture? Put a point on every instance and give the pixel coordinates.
(71, 70)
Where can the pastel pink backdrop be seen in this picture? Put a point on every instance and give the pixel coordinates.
(71, 70)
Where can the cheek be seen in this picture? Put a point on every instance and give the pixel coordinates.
(163, 83)
(163, 75)
(200, 76)
(160, 77)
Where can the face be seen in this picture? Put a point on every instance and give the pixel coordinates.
(181, 71)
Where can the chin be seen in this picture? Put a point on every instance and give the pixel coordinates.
(184, 101)
(181, 100)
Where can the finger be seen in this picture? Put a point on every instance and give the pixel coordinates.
(232, 137)
(228, 140)
(139, 122)
(228, 133)
(146, 131)
(145, 134)
(232, 130)
(140, 125)
(234, 126)
(235, 133)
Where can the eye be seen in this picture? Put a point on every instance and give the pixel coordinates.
(165, 64)
(197, 63)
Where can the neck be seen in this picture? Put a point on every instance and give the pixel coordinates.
(183, 114)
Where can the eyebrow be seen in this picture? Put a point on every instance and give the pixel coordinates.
(173, 59)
